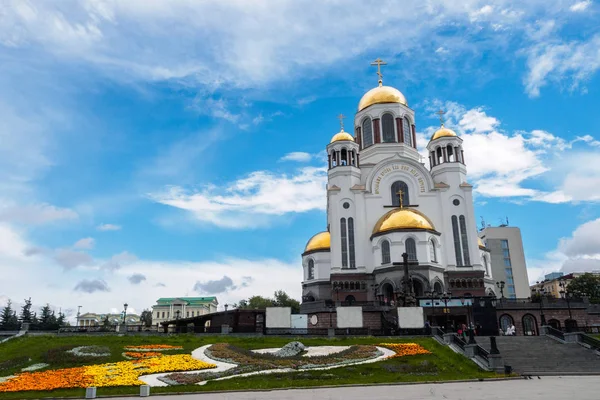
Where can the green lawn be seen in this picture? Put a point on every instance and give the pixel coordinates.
(442, 364)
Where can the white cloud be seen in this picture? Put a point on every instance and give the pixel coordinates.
(35, 214)
(298, 156)
(108, 227)
(553, 60)
(70, 259)
(580, 6)
(84, 244)
(118, 260)
(252, 200)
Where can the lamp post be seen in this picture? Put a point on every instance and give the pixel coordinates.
(541, 292)
(493, 345)
(78, 308)
(431, 295)
(468, 300)
(501, 287)
(565, 294)
(446, 297)
(125, 313)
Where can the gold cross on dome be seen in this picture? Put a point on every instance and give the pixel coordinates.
(400, 197)
(441, 114)
(379, 62)
(341, 118)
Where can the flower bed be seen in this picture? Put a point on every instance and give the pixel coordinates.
(249, 361)
(124, 373)
(90, 351)
(153, 347)
(132, 355)
(405, 349)
(65, 355)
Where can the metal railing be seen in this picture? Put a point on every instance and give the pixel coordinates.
(481, 352)
(590, 341)
(555, 332)
(459, 342)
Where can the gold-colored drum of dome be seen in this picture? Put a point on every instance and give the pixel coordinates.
(402, 218)
(443, 132)
(381, 94)
(321, 241)
(342, 136)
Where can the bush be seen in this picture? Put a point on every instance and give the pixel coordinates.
(14, 363)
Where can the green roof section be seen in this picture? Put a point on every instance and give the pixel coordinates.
(190, 300)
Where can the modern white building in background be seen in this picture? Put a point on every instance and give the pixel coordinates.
(508, 259)
(382, 201)
(94, 319)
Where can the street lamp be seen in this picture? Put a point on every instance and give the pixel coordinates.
(431, 295)
(566, 294)
(501, 287)
(469, 302)
(541, 292)
(446, 297)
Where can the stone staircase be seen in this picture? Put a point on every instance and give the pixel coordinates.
(542, 355)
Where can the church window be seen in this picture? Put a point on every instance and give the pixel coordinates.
(451, 155)
(456, 241)
(346, 205)
(456, 202)
(344, 157)
(464, 238)
(385, 252)
(346, 286)
(439, 156)
(398, 187)
(432, 252)
(387, 122)
(487, 267)
(311, 269)
(407, 132)
(344, 243)
(351, 285)
(351, 242)
(367, 129)
(411, 249)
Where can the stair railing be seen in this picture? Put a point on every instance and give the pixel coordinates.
(590, 341)
(555, 332)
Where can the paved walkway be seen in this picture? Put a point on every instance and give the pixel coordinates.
(546, 388)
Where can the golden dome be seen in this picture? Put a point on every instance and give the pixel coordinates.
(381, 94)
(321, 241)
(341, 135)
(443, 132)
(402, 218)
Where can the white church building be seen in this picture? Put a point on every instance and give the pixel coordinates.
(382, 201)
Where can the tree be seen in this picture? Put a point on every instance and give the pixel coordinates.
(146, 318)
(586, 285)
(47, 320)
(283, 300)
(8, 318)
(60, 321)
(26, 315)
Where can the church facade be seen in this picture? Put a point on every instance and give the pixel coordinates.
(382, 201)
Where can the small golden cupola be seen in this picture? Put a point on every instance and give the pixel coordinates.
(342, 150)
(319, 242)
(445, 146)
(402, 219)
(342, 135)
(443, 132)
(381, 94)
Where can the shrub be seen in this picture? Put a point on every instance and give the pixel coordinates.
(14, 363)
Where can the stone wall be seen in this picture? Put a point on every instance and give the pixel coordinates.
(580, 315)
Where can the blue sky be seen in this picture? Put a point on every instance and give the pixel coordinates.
(168, 148)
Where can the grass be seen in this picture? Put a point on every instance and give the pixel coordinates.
(442, 364)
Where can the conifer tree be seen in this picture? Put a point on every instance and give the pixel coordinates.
(26, 315)
(7, 320)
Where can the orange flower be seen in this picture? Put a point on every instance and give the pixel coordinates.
(405, 349)
(138, 355)
(156, 347)
(48, 380)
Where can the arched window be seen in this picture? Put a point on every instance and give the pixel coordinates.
(411, 249)
(407, 131)
(554, 323)
(334, 160)
(529, 325)
(400, 187)
(465, 241)
(350, 299)
(344, 157)
(351, 285)
(437, 288)
(351, 242)
(486, 265)
(432, 251)
(311, 269)
(363, 286)
(367, 129)
(456, 241)
(506, 321)
(450, 152)
(439, 156)
(344, 243)
(385, 252)
(387, 122)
